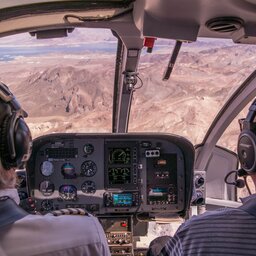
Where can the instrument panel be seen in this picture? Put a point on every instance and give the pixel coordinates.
(111, 173)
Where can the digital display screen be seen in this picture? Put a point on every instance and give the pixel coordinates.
(119, 156)
(119, 175)
(156, 194)
(158, 191)
(122, 199)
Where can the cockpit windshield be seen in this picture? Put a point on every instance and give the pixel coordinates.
(66, 84)
(206, 73)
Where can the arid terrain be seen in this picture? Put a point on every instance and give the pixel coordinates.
(67, 91)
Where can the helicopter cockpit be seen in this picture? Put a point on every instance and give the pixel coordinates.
(130, 177)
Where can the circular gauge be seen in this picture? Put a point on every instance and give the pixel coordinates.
(46, 188)
(47, 205)
(68, 171)
(88, 168)
(88, 187)
(46, 168)
(88, 149)
(68, 192)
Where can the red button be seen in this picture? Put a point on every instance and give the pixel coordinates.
(124, 224)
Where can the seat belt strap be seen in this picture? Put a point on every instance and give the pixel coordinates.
(10, 212)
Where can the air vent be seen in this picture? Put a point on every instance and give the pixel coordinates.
(225, 24)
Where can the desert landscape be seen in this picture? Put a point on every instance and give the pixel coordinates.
(66, 85)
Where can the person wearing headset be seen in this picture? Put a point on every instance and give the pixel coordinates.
(23, 234)
(228, 231)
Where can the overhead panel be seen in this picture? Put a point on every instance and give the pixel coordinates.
(170, 28)
(187, 20)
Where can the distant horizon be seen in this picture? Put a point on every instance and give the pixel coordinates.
(80, 41)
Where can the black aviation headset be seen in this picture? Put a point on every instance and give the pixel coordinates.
(246, 147)
(15, 136)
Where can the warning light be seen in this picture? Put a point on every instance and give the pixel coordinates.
(123, 224)
(161, 162)
(149, 43)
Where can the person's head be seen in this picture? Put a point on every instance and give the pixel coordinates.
(15, 137)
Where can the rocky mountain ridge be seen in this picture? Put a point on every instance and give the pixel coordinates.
(73, 95)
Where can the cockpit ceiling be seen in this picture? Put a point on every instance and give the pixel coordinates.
(22, 16)
(187, 20)
(174, 19)
(18, 3)
(51, 21)
(100, 8)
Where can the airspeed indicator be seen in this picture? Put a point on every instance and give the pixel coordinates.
(88, 168)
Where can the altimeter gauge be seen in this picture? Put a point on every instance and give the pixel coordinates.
(88, 187)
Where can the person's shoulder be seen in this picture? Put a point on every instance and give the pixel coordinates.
(75, 224)
(83, 220)
(211, 216)
(62, 217)
(76, 234)
(217, 213)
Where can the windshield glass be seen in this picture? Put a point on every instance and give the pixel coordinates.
(206, 73)
(66, 84)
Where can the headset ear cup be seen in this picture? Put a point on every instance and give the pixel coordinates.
(246, 149)
(20, 137)
(23, 142)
